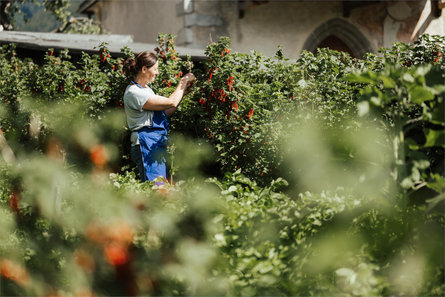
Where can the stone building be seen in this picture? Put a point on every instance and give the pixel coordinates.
(352, 26)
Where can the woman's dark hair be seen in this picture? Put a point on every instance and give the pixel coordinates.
(132, 66)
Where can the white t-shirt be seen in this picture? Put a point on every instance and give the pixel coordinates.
(137, 117)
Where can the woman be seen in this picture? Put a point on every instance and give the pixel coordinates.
(147, 114)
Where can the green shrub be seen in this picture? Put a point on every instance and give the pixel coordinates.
(360, 143)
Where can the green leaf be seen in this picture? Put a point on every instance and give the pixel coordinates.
(420, 94)
(438, 183)
(363, 108)
(435, 80)
(345, 272)
(364, 77)
(438, 113)
(407, 183)
(302, 83)
(423, 70)
(422, 164)
(434, 201)
(376, 100)
(232, 189)
(408, 77)
(388, 82)
(434, 138)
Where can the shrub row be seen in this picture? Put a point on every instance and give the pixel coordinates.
(359, 141)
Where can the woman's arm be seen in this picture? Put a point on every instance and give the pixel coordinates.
(171, 110)
(157, 102)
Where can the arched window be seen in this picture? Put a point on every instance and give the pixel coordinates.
(335, 43)
(339, 35)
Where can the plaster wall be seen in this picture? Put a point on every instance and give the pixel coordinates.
(265, 27)
(432, 26)
(290, 24)
(142, 19)
(437, 26)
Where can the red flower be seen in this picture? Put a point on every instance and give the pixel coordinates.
(14, 272)
(98, 155)
(210, 75)
(222, 95)
(87, 89)
(225, 51)
(113, 67)
(230, 82)
(235, 105)
(250, 113)
(51, 53)
(116, 254)
(14, 202)
(202, 101)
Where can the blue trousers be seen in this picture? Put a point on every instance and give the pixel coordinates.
(136, 157)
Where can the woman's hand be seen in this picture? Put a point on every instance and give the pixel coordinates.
(187, 80)
(156, 102)
(185, 84)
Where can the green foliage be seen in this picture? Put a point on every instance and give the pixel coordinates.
(411, 100)
(334, 187)
(47, 15)
(240, 102)
(268, 237)
(59, 8)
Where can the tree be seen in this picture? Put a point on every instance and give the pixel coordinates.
(59, 8)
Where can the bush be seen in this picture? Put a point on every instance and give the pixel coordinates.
(330, 177)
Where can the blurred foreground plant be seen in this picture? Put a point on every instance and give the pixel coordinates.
(343, 223)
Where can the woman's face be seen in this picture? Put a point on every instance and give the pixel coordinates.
(150, 73)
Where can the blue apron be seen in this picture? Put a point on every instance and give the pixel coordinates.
(153, 144)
